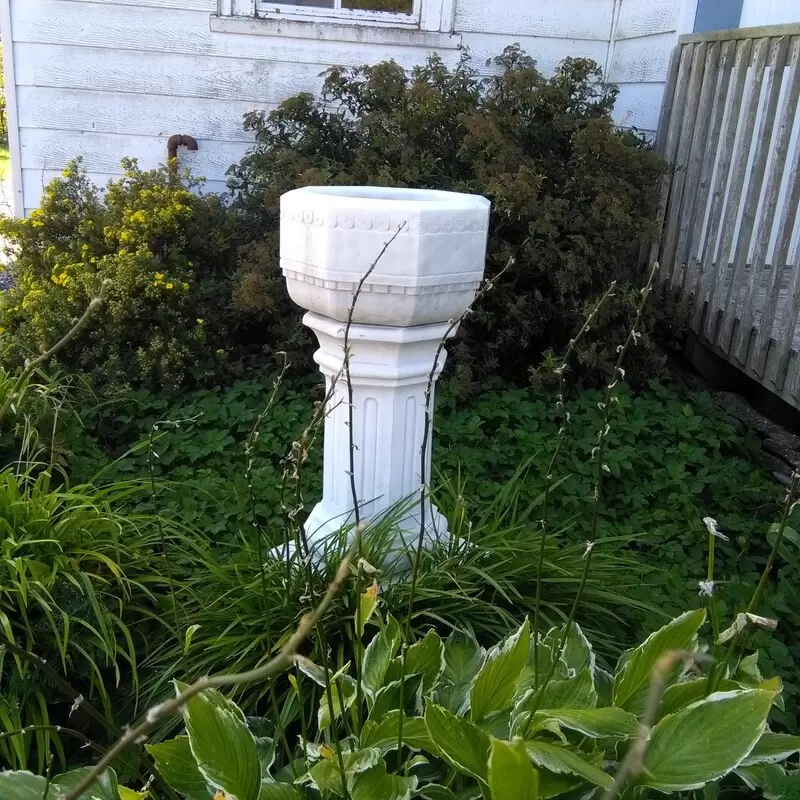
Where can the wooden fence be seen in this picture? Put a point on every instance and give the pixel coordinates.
(731, 229)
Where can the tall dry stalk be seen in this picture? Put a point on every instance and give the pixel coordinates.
(598, 455)
(487, 286)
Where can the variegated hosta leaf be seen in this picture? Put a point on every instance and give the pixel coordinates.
(704, 741)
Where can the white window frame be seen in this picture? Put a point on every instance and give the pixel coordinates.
(428, 15)
(287, 10)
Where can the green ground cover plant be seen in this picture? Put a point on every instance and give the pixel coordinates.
(407, 714)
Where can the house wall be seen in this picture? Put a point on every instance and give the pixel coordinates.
(106, 79)
(769, 12)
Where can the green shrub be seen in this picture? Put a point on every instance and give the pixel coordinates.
(571, 195)
(167, 255)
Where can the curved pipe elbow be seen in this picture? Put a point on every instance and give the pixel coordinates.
(180, 140)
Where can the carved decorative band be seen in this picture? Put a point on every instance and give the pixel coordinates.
(379, 288)
(426, 224)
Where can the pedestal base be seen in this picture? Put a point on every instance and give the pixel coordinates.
(400, 530)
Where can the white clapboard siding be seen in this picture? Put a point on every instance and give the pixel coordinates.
(645, 34)
(638, 106)
(586, 19)
(642, 60)
(165, 30)
(548, 53)
(112, 78)
(769, 12)
(647, 17)
(104, 69)
(139, 114)
(34, 181)
(102, 152)
(209, 6)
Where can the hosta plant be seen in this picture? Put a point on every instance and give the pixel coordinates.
(515, 722)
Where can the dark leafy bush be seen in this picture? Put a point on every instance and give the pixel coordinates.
(571, 195)
(166, 255)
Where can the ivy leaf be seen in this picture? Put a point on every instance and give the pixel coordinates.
(511, 774)
(705, 741)
(222, 745)
(495, 685)
(174, 760)
(462, 744)
(632, 680)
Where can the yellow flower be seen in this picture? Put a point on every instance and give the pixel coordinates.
(159, 276)
(170, 286)
(200, 321)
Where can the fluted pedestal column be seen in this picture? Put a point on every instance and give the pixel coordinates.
(389, 372)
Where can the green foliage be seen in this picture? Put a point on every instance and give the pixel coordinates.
(69, 592)
(673, 459)
(571, 196)
(167, 254)
(522, 750)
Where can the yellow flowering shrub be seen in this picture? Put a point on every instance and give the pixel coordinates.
(169, 255)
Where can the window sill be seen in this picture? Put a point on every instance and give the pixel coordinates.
(334, 31)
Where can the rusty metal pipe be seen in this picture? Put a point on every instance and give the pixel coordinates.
(180, 140)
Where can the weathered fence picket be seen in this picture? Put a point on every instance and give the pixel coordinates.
(730, 240)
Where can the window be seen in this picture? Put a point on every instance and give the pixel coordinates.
(397, 6)
(418, 23)
(389, 11)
